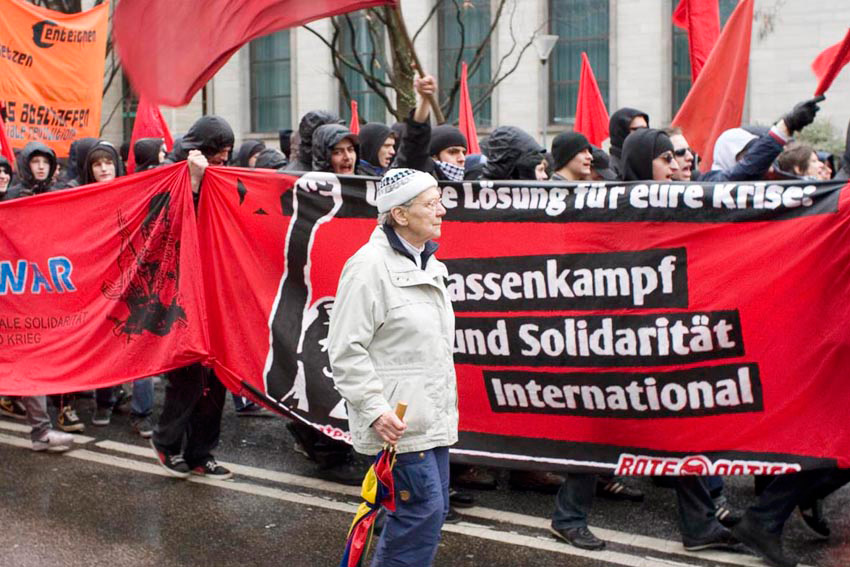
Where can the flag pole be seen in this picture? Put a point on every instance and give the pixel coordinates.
(402, 28)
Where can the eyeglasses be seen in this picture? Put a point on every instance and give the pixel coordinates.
(431, 205)
(667, 156)
(681, 152)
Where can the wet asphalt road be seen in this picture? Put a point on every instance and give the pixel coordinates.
(108, 503)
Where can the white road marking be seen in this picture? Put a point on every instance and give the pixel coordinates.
(544, 543)
(22, 428)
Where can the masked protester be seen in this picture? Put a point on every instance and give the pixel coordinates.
(440, 151)
(620, 125)
(36, 166)
(309, 123)
(377, 145)
(247, 154)
(335, 149)
(149, 153)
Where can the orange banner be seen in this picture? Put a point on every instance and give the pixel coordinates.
(51, 73)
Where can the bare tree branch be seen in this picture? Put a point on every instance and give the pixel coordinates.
(431, 13)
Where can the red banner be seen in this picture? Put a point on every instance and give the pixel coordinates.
(99, 285)
(647, 329)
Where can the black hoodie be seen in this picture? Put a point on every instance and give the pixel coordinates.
(324, 139)
(308, 125)
(87, 176)
(209, 134)
(247, 150)
(146, 153)
(508, 147)
(76, 158)
(4, 164)
(372, 137)
(27, 184)
(618, 131)
(270, 158)
(640, 148)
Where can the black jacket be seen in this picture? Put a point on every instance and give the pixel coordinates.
(325, 138)
(76, 162)
(146, 153)
(27, 184)
(308, 125)
(618, 130)
(372, 137)
(510, 151)
(413, 149)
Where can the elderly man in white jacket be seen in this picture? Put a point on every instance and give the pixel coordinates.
(390, 341)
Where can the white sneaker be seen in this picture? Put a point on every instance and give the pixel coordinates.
(54, 441)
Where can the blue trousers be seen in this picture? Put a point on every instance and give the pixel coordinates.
(412, 533)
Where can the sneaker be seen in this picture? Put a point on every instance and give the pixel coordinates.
(725, 513)
(142, 426)
(172, 463)
(102, 416)
(452, 517)
(618, 490)
(460, 499)
(53, 441)
(253, 410)
(720, 539)
(581, 537)
(212, 469)
(68, 421)
(12, 407)
(122, 402)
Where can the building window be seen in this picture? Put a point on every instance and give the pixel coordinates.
(464, 28)
(362, 39)
(271, 84)
(581, 25)
(129, 104)
(682, 59)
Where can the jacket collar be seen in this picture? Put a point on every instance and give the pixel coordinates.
(395, 244)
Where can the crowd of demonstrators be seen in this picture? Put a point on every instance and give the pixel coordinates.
(407, 155)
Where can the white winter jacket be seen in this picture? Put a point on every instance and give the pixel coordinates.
(390, 340)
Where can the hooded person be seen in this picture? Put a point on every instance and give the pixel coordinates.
(148, 153)
(176, 149)
(270, 158)
(308, 125)
(335, 149)
(622, 123)
(212, 136)
(377, 149)
(572, 157)
(36, 166)
(285, 141)
(248, 150)
(828, 160)
(76, 157)
(513, 154)
(103, 163)
(798, 161)
(648, 155)
(473, 167)
(6, 176)
(601, 165)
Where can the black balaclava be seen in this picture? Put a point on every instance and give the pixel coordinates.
(618, 127)
(640, 148)
(146, 153)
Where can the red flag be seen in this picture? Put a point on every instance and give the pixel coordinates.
(355, 118)
(149, 124)
(591, 114)
(466, 120)
(107, 294)
(716, 101)
(186, 42)
(830, 61)
(701, 19)
(5, 145)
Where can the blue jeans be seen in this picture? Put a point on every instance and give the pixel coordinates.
(412, 533)
(141, 404)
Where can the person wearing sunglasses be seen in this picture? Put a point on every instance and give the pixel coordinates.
(685, 156)
(648, 155)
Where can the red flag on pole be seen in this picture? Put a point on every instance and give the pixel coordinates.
(716, 100)
(466, 120)
(5, 145)
(591, 114)
(829, 62)
(149, 124)
(354, 126)
(186, 42)
(701, 19)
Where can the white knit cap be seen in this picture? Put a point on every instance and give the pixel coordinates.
(398, 186)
